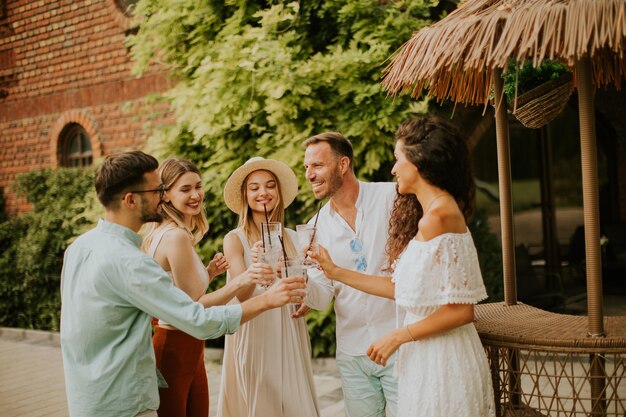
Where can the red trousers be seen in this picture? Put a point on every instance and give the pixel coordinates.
(180, 358)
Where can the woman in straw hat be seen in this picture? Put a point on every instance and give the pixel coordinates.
(266, 369)
(179, 356)
(441, 364)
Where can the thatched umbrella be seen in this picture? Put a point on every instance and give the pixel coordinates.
(461, 58)
(455, 57)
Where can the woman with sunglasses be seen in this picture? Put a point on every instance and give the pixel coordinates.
(266, 370)
(441, 365)
(179, 356)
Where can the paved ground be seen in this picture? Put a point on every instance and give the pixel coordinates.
(32, 385)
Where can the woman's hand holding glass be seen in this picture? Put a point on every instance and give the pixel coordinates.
(286, 290)
(324, 260)
(271, 257)
(257, 273)
(255, 250)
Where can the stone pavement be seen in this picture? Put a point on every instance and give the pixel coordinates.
(32, 385)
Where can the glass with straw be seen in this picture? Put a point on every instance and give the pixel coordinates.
(293, 267)
(271, 233)
(307, 240)
(270, 251)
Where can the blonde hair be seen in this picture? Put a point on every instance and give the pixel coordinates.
(277, 214)
(170, 171)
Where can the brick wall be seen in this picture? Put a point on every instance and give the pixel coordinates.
(65, 61)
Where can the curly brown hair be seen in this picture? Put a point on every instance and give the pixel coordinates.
(440, 153)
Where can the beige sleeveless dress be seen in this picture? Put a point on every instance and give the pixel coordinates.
(267, 364)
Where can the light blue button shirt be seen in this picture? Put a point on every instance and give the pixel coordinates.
(109, 291)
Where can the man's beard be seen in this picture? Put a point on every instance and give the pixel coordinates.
(147, 216)
(151, 217)
(334, 183)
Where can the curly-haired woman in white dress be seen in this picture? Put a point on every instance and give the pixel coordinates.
(442, 367)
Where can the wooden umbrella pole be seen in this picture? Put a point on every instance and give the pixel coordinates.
(591, 208)
(593, 259)
(504, 181)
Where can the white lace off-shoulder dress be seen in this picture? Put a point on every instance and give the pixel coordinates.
(446, 374)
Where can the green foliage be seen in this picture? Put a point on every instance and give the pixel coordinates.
(33, 245)
(12, 305)
(489, 255)
(529, 76)
(259, 77)
(321, 326)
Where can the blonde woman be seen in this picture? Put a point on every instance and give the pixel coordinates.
(267, 364)
(179, 356)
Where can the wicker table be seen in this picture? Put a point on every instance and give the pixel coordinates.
(545, 364)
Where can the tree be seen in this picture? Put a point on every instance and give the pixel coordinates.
(259, 77)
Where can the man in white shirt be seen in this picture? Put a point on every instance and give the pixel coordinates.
(353, 227)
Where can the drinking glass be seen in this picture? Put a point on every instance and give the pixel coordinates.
(293, 268)
(271, 256)
(270, 233)
(307, 241)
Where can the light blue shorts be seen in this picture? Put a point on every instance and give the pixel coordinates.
(368, 388)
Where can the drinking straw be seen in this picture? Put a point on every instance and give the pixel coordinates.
(284, 255)
(317, 216)
(269, 236)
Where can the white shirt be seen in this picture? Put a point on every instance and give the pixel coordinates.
(361, 318)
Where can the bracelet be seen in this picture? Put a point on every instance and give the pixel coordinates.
(409, 332)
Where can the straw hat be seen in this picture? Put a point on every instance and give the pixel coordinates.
(285, 175)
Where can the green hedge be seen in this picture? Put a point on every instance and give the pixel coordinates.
(32, 246)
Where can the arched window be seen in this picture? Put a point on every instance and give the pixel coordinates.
(74, 147)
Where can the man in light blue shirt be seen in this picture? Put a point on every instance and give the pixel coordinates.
(110, 290)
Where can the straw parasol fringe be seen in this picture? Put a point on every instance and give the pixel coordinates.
(487, 33)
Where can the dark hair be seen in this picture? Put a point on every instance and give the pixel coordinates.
(338, 144)
(440, 153)
(121, 171)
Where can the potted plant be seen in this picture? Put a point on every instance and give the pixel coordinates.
(536, 95)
